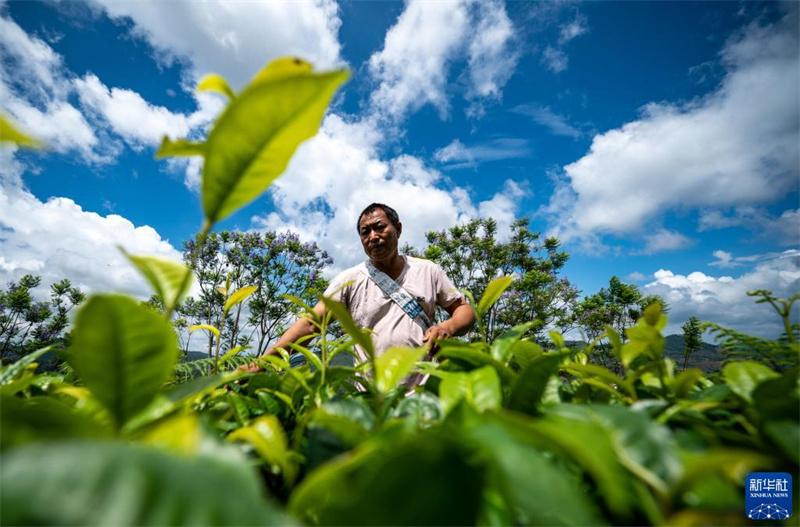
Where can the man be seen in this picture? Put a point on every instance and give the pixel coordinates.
(371, 307)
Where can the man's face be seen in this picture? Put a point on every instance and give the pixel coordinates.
(378, 235)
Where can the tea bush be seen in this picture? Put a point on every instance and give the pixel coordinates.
(505, 431)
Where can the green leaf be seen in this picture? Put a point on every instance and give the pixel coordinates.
(593, 371)
(458, 350)
(100, 483)
(310, 356)
(652, 314)
(557, 339)
(267, 437)
(179, 148)
(212, 329)
(168, 278)
(410, 483)
(217, 83)
(341, 314)
(9, 133)
(534, 489)
(525, 352)
(123, 352)
(282, 68)
(481, 388)
(501, 347)
(421, 407)
(393, 365)
(744, 376)
(253, 140)
(232, 353)
(239, 296)
(683, 383)
(492, 294)
(531, 383)
(8, 375)
(43, 419)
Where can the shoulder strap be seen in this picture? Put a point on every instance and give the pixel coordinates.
(400, 296)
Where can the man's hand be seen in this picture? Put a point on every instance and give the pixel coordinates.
(432, 335)
(252, 367)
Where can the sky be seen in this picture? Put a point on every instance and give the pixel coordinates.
(659, 141)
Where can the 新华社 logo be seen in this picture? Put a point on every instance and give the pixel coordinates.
(768, 495)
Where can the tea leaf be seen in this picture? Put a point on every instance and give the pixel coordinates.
(492, 294)
(501, 347)
(9, 133)
(349, 325)
(267, 437)
(8, 375)
(531, 383)
(123, 352)
(744, 376)
(101, 483)
(207, 327)
(393, 365)
(525, 352)
(168, 278)
(217, 83)
(239, 296)
(480, 388)
(179, 148)
(253, 140)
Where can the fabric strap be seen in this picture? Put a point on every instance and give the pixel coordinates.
(400, 296)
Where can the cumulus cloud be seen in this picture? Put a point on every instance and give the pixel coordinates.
(412, 68)
(335, 175)
(724, 299)
(58, 239)
(663, 241)
(138, 122)
(234, 39)
(737, 146)
(457, 155)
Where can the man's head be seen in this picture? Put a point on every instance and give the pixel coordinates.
(379, 228)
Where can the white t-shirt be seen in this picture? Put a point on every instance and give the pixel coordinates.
(372, 309)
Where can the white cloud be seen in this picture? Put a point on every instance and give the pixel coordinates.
(663, 241)
(724, 299)
(58, 239)
(412, 68)
(457, 155)
(636, 276)
(555, 59)
(725, 259)
(785, 229)
(574, 29)
(335, 175)
(140, 123)
(492, 57)
(543, 115)
(34, 85)
(235, 39)
(737, 146)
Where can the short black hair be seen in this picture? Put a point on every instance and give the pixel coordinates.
(390, 213)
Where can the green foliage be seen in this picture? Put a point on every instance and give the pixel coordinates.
(123, 352)
(507, 431)
(27, 325)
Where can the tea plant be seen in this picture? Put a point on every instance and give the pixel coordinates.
(506, 431)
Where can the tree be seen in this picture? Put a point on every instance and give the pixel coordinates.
(471, 256)
(275, 263)
(692, 338)
(27, 325)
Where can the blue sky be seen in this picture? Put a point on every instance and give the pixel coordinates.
(657, 140)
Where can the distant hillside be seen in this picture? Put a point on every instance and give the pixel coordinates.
(708, 358)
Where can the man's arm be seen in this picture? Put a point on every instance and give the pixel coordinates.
(462, 317)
